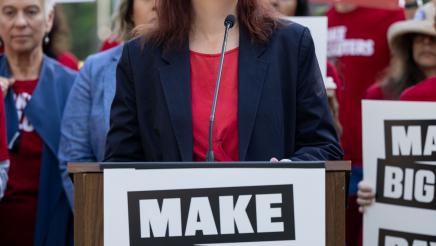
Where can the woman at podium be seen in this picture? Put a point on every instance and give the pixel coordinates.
(271, 101)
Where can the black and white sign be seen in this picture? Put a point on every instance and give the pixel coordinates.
(226, 205)
(399, 156)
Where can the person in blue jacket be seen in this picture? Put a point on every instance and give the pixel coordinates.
(86, 119)
(35, 209)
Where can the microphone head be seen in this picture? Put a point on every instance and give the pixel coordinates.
(230, 21)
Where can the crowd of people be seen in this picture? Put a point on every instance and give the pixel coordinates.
(147, 95)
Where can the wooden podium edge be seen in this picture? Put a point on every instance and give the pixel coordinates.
(93, 167)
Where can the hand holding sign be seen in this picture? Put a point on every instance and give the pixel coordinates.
(365, 196)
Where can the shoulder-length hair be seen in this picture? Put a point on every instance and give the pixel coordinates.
(175, 21)
(403, 71)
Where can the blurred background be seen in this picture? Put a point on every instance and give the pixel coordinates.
(89, 23)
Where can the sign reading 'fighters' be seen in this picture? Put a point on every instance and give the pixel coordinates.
(211, 215)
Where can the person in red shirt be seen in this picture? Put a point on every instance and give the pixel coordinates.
(413, 44)
(55, 42)
(272, 103)
(34, 210)
(358, 47)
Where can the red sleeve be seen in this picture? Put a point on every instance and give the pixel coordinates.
(109, 44)
(3, 140)
(68, 60)
(423, 91)
(333, 73)
(375, 92)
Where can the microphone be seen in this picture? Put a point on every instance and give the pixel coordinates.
(229, 22)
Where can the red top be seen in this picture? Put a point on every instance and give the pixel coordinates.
(109, 44)
(204, 70)
(18, 207)
(375, 92)
(358, 44)
(3, 139)
(68, 60)
(333, 73)
(423, 91)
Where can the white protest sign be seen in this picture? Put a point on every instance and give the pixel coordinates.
(215, 206)
(319, 30)
(399, 156)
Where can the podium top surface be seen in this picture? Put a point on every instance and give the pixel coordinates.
(94, 167)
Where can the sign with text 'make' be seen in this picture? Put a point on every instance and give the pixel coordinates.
(399, 140)
(221, 204)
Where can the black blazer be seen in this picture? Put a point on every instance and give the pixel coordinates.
(282, 103)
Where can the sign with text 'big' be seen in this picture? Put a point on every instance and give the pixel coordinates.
(399, 140)
(220, 204)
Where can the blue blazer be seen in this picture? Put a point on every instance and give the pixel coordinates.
(44, 111)
(282, 103)
(86, 118)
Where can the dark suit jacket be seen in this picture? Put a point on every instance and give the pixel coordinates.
(282, 104)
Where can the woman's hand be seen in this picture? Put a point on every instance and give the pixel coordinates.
(365, 196)
(5, 83)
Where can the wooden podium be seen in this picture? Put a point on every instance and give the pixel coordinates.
(88, 203)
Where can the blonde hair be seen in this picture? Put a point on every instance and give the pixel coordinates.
(123, 22)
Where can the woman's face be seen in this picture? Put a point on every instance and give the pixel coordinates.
(23, 24)
(144, 12)
(424, 51)
(285, 7)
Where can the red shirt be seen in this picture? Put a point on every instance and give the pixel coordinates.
(358, 45)
(109, 44)
(204, 70)
(375, 92)
(68, 60)
(18, 207)
(423, 91)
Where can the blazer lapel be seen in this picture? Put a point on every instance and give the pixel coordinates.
(10, 109)
(43, 109)
(252, 71)
(108, 75)
(175, 78)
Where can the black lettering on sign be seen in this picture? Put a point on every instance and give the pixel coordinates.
(413, 140)
(211, 215)
(396, 238)
(406, 184)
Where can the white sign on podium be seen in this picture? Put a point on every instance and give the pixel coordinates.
(220, 204)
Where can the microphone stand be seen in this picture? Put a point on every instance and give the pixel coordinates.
(228, 23)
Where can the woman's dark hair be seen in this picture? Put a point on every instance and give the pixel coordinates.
(175, 17)
(58, 36)
(302, 8)
(403, 71)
